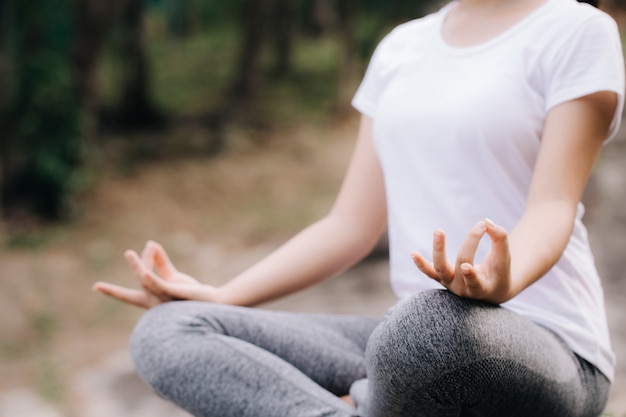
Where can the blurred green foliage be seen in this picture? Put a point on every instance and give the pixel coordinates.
(42, 118)
(72, 68)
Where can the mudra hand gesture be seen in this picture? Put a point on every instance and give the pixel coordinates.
(488, 281)
(159, 279)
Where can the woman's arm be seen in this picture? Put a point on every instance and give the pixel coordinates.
(573, 136)
(334, 243)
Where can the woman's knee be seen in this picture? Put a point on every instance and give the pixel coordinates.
(428, 333)
(438, 352)
(150, 341)
(161, 339)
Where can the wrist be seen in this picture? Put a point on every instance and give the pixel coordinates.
(225, 294)
(511, 291)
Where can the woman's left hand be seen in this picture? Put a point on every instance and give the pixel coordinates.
(488, 281)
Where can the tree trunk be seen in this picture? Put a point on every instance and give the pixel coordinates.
(283, 32)
(325, 12)
(41, 149)
(6, 10)
(249, 78)
(95, 19)
(347, 10)
(136, 107)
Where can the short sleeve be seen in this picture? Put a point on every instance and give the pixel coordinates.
(405, 44)
(590, 61)
(366, 97)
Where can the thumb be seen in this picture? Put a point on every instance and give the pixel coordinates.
(499, 239)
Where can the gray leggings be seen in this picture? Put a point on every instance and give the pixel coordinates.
(433, 355)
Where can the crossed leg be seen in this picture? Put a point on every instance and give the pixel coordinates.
(222, 361)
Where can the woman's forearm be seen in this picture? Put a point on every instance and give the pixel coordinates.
(573, 136)
(538, 241)
(320, 251)
(329, 246)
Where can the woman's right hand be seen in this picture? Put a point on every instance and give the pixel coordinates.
(159, 279)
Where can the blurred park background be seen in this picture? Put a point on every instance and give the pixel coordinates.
(216, 128)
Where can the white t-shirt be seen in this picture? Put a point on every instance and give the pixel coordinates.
(457, 132)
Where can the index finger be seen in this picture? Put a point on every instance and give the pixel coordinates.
(147, 256)
(162, 262)
(148, 279)
(499, 239)
(468, 249)
(135, 263)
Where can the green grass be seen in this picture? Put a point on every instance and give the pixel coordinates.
(189, 76)
(309, 92)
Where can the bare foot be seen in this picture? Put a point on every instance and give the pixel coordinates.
(348, 399)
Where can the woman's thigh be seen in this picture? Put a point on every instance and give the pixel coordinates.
(223, 360)
(440, 355)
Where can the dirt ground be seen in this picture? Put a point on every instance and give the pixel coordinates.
(606, 222)
(63, 348)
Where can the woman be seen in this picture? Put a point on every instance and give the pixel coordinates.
(484, 118)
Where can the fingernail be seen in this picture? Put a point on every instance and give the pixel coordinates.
(489, 222)
(466, 269)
